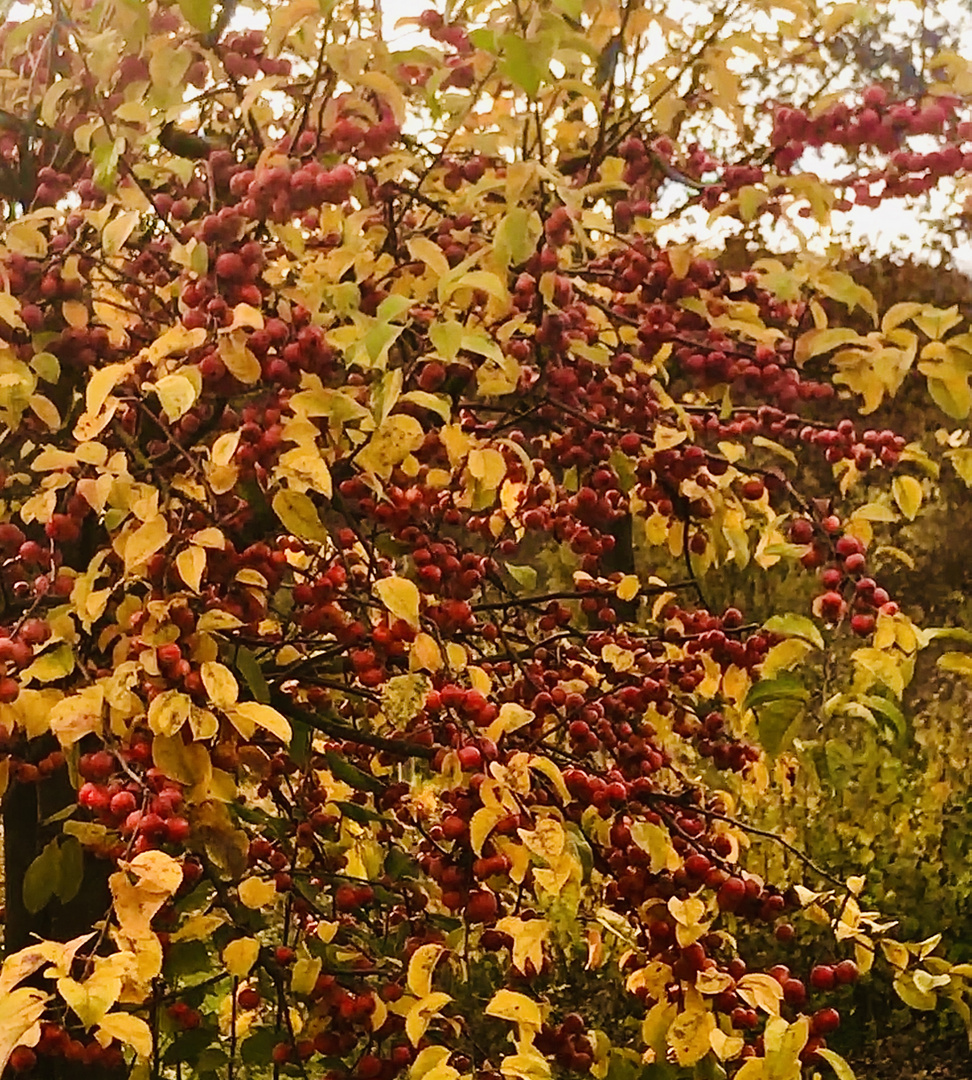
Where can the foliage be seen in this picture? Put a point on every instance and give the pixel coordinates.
(380, 485)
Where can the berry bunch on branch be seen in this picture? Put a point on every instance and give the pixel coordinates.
(378, 693)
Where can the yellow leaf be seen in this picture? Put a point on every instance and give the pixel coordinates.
(175, 341)
(656, 840)
(240, 362)
(761, 992)
(189, 763)
(482, 823)
(691, 1031)
(299, 515)
(511, 717)
(424, 250)
(45, 409)
(528, 937)
(144, 542)
(393, 441)
(130, 1030)
(101, 385)
(263, 716)
(421, 967)
(907, 494)
(837, 1063)
(156, 871)
(19, 1012)
(115, 234)
(488, 467)
(304, 974)
(241, 954)
(90, 1000)
(177, 395)
(221, 686)
(425, 654)
(627, 588)
(517, 1008)
(78, 715)
(961, 663)
(255, 893)
(191, 564)
(401, 597)
(168, 712)
(419, 1015)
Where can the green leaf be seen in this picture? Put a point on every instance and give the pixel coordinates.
(571, 8)
(258, 1048)
(890, 711)
(70, 870)
(777, 723)
(42, 878)
(349, 774)
(198, 13)
(523, 575)
(766, 690)
(523, 63)
(249, 667)
(361, 814)
(795, 626)
(515, 238)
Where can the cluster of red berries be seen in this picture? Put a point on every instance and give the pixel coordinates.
(56, 1042)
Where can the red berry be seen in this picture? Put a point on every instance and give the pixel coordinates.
(846, 972)
(482, 907)
(822, 977)
(825, 1021)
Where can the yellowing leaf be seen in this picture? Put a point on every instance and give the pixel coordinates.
(78, 715)
(907, 494)
(131, 1030)
(304, 974)
(189, 763)
(299, 515)
(401, 597)
(418, 1017)
(240, 955)
(420, 969)
(511, 717)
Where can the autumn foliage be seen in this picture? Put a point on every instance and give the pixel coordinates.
(379, 482)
